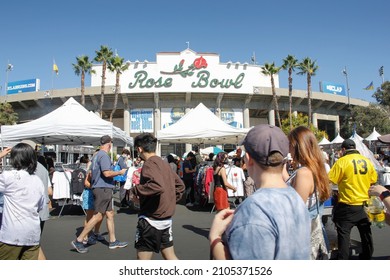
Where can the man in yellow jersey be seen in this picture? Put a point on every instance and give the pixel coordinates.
(354, 174)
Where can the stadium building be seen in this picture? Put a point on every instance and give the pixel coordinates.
(155, 95)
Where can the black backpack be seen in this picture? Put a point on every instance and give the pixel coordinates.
(77, 181)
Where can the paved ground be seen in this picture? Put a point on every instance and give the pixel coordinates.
(190, 229)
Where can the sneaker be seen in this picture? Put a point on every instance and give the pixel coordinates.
(189, 204)
(99, 237)
(79, 246)
(92, 239)
(117, 244)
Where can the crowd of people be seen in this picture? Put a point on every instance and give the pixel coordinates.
(267, 151)
(287, 179)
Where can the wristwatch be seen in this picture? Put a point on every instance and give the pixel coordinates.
(384, 194)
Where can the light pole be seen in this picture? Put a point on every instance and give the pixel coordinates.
(346, 78)
(381, 74)
(7, 70)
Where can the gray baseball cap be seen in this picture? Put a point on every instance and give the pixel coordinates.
(263, 140)
(105, 139)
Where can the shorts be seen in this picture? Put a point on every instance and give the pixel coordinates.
(14, 252)
(150, 239)
(221, 198)
(103, 199)
(88, 200)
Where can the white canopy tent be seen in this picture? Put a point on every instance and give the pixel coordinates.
(356, 136)
(201, 126)
(363, 150)
(324, 141)
(373, 136)
(337, 140)
(69, 124)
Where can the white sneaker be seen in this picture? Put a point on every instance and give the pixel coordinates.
(189, 204)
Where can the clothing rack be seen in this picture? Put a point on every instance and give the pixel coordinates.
(62, 167)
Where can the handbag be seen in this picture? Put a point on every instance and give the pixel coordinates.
(319, 249)
(119, 178)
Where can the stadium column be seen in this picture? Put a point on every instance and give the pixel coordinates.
(337, 123)
(126, 121)
(271, 117)
(246, 110)
(246, 117)
(188, 146)
(315, 122)
(157, 117)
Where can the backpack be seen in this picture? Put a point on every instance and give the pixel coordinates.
(77, 181)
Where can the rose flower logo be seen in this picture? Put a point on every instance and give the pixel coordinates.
(198, 63)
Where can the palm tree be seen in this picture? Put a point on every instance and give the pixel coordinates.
(308, 67)
(83, 66)
(104, 55)
(270, 70)
(116, 65)
(289, 63)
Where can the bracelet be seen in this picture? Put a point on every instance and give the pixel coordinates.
(384, 194)
(215, 242)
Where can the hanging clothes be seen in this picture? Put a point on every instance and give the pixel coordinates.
(61, 185)
(235, 177)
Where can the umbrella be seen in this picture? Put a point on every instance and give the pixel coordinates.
(384, 138)
(208, 150)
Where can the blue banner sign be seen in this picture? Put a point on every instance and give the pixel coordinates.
(23, 86)
(141, 120)
(332, 88)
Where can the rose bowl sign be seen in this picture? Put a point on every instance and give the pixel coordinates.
(186, 71)
(197, 70)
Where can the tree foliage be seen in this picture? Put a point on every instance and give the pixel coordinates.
(104, 56)
(382, 94)
(364, 119)
(7, 114)
(309, 68)
(117, 65)
(289, 64)
(83, 66)
(302, 120)
(269, 69)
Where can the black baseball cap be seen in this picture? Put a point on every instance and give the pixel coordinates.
(348, 144)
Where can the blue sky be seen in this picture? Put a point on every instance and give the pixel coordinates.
(334, 33)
